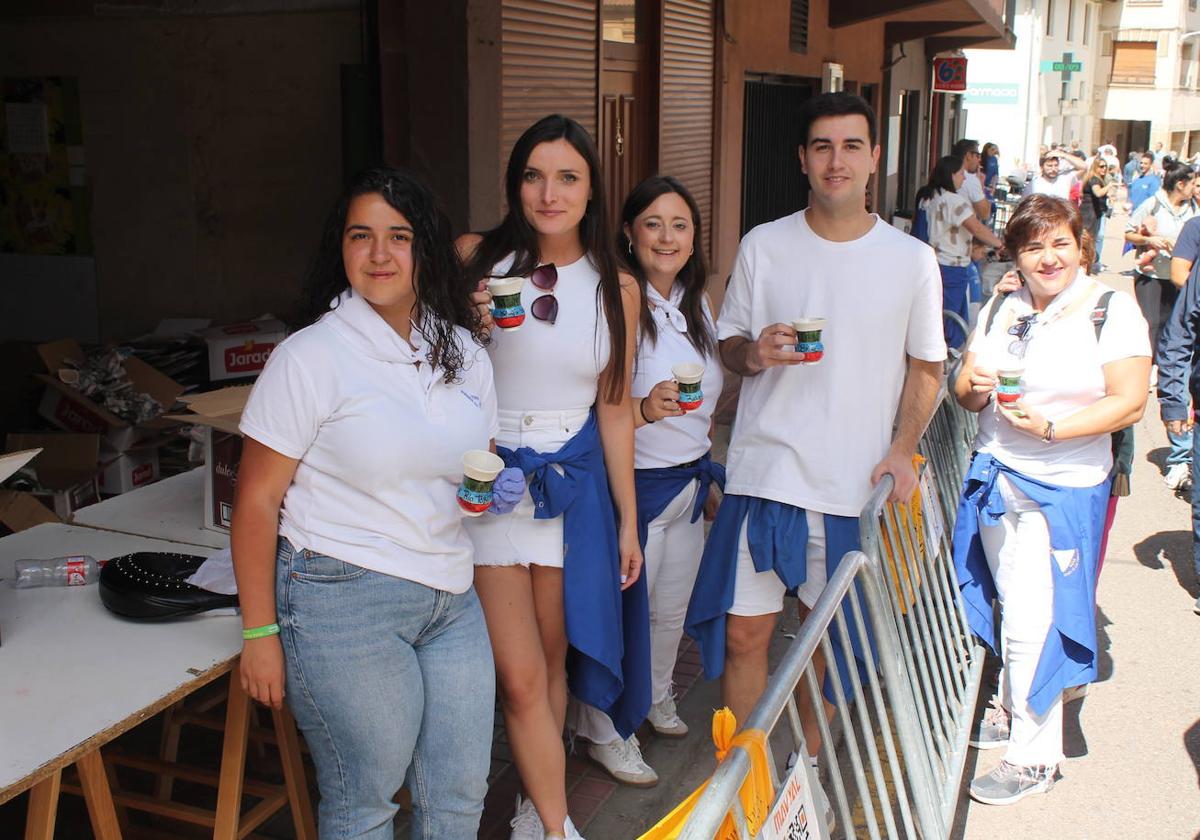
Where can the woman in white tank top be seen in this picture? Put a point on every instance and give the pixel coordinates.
(562, 383)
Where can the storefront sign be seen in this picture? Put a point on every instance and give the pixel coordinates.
(949, 75)
(996, 93)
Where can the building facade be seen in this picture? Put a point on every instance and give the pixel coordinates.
(1149, 92)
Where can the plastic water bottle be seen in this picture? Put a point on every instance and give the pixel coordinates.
(73, 570)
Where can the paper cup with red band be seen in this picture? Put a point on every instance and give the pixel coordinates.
(1009, 387)
(687, 376)
(480, 469)
(507, 311)
(808, 339)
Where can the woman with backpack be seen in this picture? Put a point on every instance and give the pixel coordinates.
(950, 223)
(1055, 368)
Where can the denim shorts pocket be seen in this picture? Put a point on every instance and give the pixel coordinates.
(321, 568)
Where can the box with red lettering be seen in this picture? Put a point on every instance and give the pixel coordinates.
(237, 351)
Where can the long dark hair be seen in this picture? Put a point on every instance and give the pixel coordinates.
(514, 235)
(443, 293)
(941, 178)
(693, 274)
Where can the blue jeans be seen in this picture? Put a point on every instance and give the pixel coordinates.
(392, 684)
(955, 280)
(1181, 448)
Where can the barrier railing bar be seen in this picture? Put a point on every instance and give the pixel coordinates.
(860, 775)
(885, 724)
(828, 749)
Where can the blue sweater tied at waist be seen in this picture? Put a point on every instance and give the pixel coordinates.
(657, 487)
(1075, 516)
(608, 662)
(777, 534)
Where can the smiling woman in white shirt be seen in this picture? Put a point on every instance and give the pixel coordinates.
(1057, 367)
(354, 570)
(661, 242)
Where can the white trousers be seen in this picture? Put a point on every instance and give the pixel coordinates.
(672, 558)
(1019, 556)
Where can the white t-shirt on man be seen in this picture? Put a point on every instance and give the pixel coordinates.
(1060, 187)
(1063, 373)
(972, 188)
(380, 438)
(809, 436)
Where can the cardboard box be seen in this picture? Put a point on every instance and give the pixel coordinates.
(66, 467)
(68, 409)
(240, 350)
(19, 511)
(121, 472)
(219, 412)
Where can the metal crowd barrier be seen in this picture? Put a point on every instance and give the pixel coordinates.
(906, 719)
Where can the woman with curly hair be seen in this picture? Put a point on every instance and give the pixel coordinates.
(353, 567)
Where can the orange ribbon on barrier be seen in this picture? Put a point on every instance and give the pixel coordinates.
(906, 578)
(756, 793)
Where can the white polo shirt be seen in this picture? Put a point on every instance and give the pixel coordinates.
(673, 440)
(809, 436)
(1064, 373)
(380, 438)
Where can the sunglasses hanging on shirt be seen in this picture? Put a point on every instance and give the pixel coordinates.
(545, 307)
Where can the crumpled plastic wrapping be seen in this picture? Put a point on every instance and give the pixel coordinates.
(102, 378)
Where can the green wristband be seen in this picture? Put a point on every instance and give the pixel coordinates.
(260, 632)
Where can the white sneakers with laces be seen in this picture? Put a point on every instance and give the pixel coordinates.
(623, 761)
(1178, 477)
(665, 719)
(526, 825)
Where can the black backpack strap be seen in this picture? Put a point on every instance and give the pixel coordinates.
(1100, 312)
(997, 300)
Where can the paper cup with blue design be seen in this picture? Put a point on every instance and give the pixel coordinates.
(808, 339)
(1009, 387)
(687, 376)
(507, 311)
(480, 469)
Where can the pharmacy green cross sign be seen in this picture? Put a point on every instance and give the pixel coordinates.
(1067, 66)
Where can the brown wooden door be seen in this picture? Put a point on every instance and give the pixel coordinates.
(627, 133)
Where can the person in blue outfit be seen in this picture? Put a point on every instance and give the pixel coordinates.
(353, 567)
(661, 243)
(814, 425)
(1145, 183)
(1076, 360)
(560, 576)
(1179, 365)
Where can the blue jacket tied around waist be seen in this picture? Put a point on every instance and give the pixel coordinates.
(777, 534)
(1075, 516)
(657, 487)
(608, 663)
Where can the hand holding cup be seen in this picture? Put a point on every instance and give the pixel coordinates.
(662, 401)
(776, 345)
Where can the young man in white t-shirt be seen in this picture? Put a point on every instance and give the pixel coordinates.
(972, 187)
(1054, 180)
(816, 438)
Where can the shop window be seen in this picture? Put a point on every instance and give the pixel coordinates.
(618, 21)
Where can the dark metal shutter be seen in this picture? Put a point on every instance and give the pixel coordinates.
(548, 65)
(685, 128)
(798, 27)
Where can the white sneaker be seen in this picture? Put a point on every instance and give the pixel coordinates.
(623, 761)
(665, 719)
(526, 825)
(569, 832)
(1178, 477)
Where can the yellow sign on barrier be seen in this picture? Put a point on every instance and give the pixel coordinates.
(756, 793)
(906, 578)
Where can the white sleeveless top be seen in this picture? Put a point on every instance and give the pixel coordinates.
(673, 440)
(553, 367)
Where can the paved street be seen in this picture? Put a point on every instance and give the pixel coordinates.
(1133, 743)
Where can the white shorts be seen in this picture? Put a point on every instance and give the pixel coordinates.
(761, 593)
(516, 538)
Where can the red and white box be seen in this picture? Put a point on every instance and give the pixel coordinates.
(237, 351)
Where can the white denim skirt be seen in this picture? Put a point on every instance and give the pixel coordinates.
(517, 538)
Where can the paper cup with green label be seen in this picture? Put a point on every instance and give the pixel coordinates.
(507, 311)
(1009, 387)
(808, 339)
(687, 376)
(480, 469)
